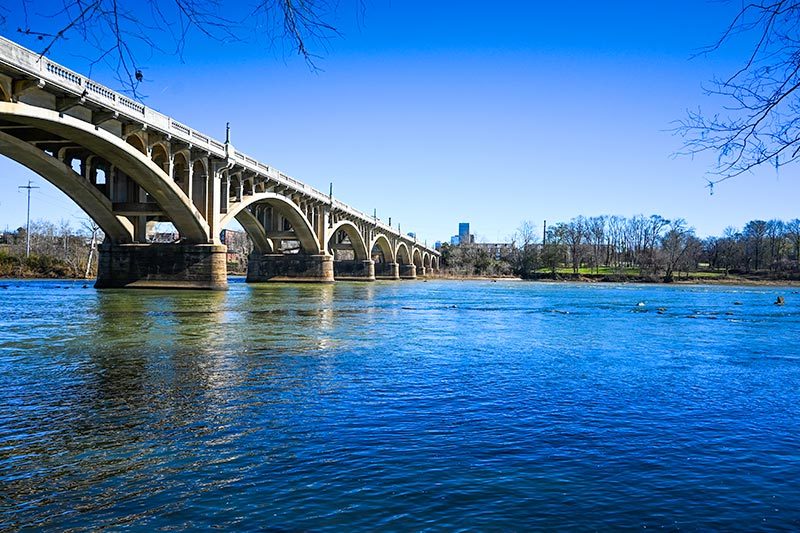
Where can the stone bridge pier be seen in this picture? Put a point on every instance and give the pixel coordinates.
(387, 271)
(172, 266)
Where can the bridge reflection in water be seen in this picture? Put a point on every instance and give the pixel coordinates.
(129, 167)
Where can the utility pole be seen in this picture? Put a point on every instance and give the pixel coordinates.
(28, 223)
(544, 234)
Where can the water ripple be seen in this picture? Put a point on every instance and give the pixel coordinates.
(456, 406)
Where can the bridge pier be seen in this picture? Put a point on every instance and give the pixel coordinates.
(290, 267)
(354, 270)
(387, 271)
(408, 272)
(162, 266)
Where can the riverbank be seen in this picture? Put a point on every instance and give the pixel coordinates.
(60, 274)
(706, 279)
(38, 267)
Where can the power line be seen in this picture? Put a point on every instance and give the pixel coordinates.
(28, 223)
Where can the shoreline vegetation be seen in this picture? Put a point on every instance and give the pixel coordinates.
(634, 249)
(713, 279)
(598, 249)
(61, 272)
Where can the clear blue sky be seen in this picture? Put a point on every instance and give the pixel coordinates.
(436, 113)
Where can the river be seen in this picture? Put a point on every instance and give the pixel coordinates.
(435, 405)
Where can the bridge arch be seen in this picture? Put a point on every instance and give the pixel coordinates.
(160, 157)
(180, 171)
(302, 228)
(356, 240)
(137, 142)
(83, 193)
(416, 257)
(136, 165)
(381, 242)
(261, 243)
(402, 254)
(426, 260)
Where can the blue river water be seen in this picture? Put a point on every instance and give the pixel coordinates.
(439, 405)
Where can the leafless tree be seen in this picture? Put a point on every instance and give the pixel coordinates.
(525, 243)
(595, 235)
(793, 234)
(675, 244)
(574, 233)
(90, 226)
(126, 33)
(760, 123)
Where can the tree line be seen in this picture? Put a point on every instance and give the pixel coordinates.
(616, 247)
(57, 250)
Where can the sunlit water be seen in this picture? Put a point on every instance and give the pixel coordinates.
(406, 405)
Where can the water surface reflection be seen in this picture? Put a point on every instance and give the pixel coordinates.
(398, 405)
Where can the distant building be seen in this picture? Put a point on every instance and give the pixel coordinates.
(437, 245)
(163, 236)
(463, 233)
(498, 250)
(412, 235)
(464, 236)
(239, 247)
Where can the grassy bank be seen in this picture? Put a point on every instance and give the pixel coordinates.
(37, 266)
(634, 276)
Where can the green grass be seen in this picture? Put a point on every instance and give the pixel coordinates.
(584, 271)
(630, 272)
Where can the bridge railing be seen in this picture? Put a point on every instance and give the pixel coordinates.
(40, 67)
(35, 65)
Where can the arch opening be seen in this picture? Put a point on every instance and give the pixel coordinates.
(416, 257)
(403, 257)
(381, 251)
(160, 158)
(346, 243)
(180, 173)
(284, 225)
(133, 170)
(136, 142)
(72, 184)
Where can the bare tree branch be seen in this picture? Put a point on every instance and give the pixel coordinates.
(124, 33)
(761, 125)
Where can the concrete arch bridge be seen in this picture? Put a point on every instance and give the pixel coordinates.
(128, 167)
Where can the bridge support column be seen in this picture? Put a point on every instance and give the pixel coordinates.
(290, 267)
(408, 272)
(162, 266)
(387, 271)
(354, 270)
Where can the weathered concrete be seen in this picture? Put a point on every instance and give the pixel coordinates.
(354, 270)
(290, 267)
(162, 266)
(389, 271)
(408, 272)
